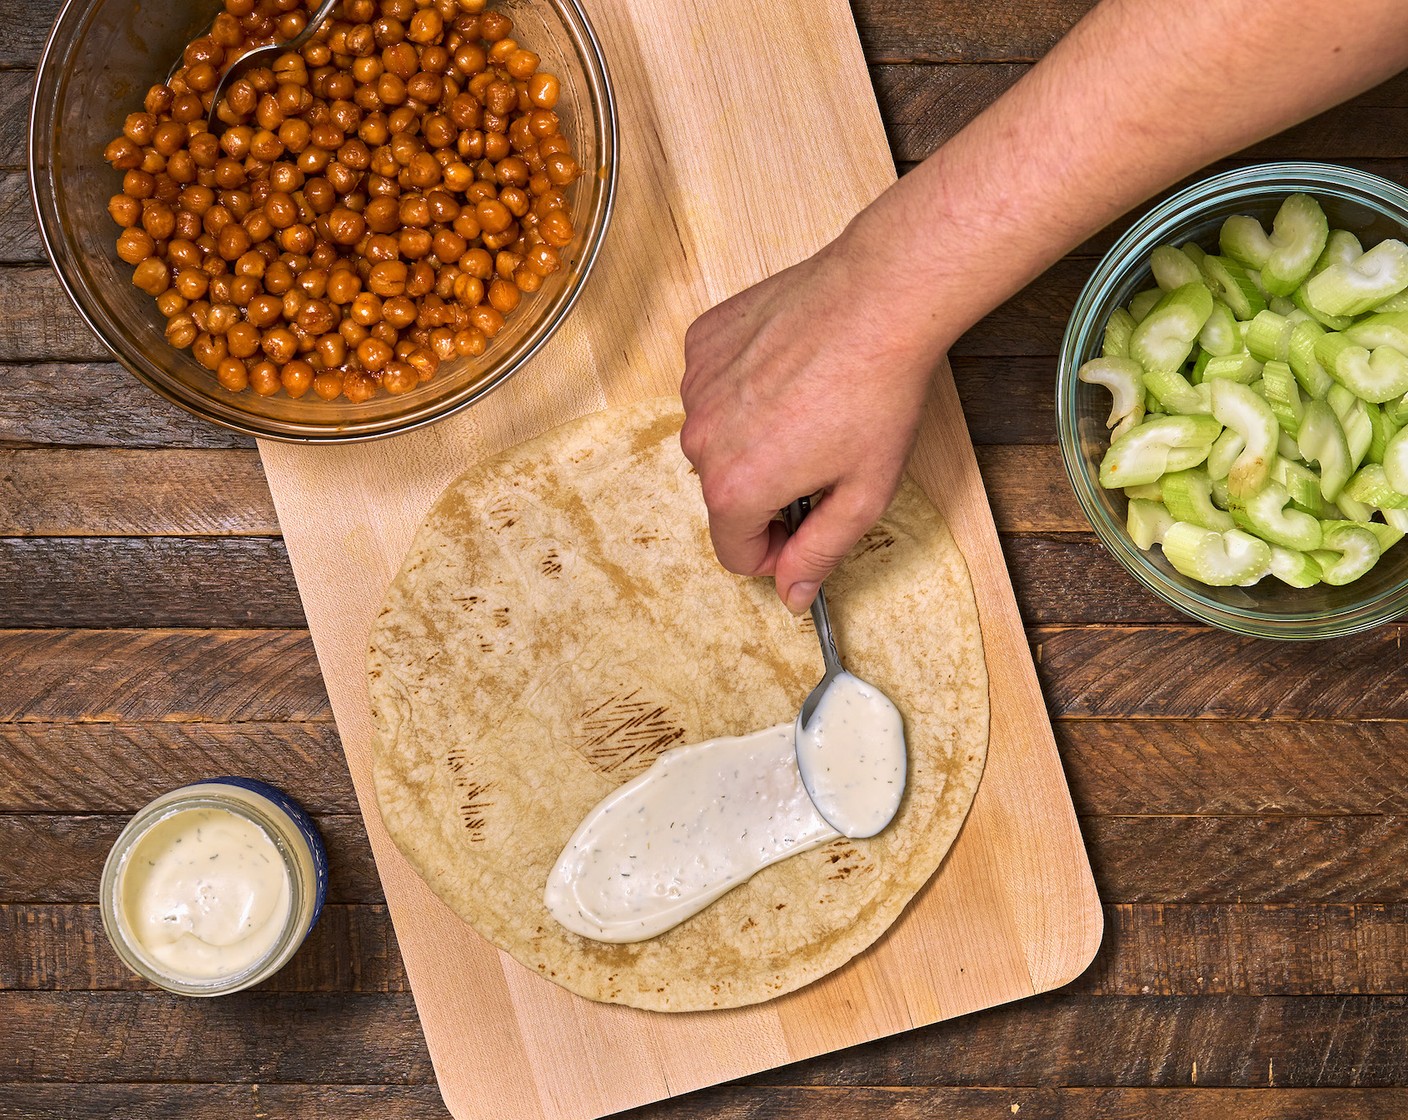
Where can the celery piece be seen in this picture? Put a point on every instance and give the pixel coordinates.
(1188, 497)
(1302, 484)
(1195, 252)
(1314, 378)
(1269, 515)
(1176, 394)
(1299, 234)
(1219, 336)
(1383, 328)
(1331, 322)
(1387, 535)
(1230, 283)
(1269, 336)
(1165, 336)
(1223, 454)
(1195, 375)
(1144, 452)
(1395, 462)
(1148, 491)
(1123, 377)
(1240, 367)
(1396, 519)
(1394, 303)
(1244, 239)
(1397, 411)
(1360, 286)
(1353, 416)
(1117, 331)
(1373, 375)
(1282, 393)
(1384, 427)
(1173, 268)
(1286, 445)
(1346, 553)
(1283, 305)
(1245, 412)
(1341, 247)
(1143, 303)
(1370, 485)
(1345, 508)
(1297, 569)
(1322, 441)
(1147, 523)
(1228, 559)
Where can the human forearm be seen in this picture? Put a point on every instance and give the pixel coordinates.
(1140, 93)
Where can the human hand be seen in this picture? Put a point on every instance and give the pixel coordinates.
(811, 381)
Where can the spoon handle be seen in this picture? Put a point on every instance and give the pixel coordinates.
(310, 28)
(792, 517)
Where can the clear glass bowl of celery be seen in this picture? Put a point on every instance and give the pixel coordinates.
(1229, 417)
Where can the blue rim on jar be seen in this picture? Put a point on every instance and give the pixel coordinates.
(267, 812)
(1373, 208)
(99, 59)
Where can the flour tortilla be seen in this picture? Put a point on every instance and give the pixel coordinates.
(561, 620)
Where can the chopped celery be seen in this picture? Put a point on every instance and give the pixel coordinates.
(1143, 303)
(1188, 497)
(1165, 336)
(1370, 485)
(1397, 411)
(1223, 454)
(1322, 441)
(1387, 535)
(1374, 375)
(1353, 416)
(1148, 491)
(1302, 484)
(1219, 335)
(1298, 569)
(1346, 553)
(1384, 328)
(1176, 395)
(1393, 303)
(1341, 247)
(1240, 367)
(1269, 336)
(1268, 514)
(1283, 305)
(1228, 559)
(1231, 284)
(1359, 286)
(1244, 411)
(1173, 268)
(1345, 508)
(1331, 322)
(1147, 523)
(1396, 461)
(1117, 332)
(1146, 451)
(1385, 427)
(1123, 377)
(1313, 377)
(1282, 393)
(1285, 258)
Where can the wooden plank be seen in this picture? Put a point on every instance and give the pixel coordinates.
(19, 232)
(1067, 577)
(1209, 766)
(1236, 1041)
(102, 406)
(924, 106)
(54, 857)
(151, 581)
(726, 1102)
(122, 676)
(63, 948)
(1196, 671)
(118, 492)
(16, 89)
(965, 32)
(40, 323)
(111, 492)
(119, 767)
(1158, 949)
(1116, 767)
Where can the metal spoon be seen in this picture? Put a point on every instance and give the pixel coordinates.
(854, 776)
(259, 56)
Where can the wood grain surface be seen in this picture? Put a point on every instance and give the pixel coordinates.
(1246, 828)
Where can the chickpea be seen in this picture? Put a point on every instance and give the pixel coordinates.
(264, 378)
(470, 342)
(209, 350)
(503, 296)
(152, 276)
(556, 229)
(135, 245)
(328, 384)
(233, 375)
(242, 340)
(181, 330)
(343, 286)
(296, 378)
(388, 278)
(123, 154)
(358, 387)
(365, 309)
(487, 319)
(543, 90)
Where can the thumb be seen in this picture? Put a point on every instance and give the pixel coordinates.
(820, 543)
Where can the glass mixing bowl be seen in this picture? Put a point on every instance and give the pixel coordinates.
(101, 58)
(1373, 209)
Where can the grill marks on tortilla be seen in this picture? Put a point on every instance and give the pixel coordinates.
(625, 733)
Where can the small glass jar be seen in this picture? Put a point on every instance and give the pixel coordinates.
(278, 833)
(1369, 206)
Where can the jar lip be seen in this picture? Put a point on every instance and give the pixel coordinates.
(206, 795)
(1122, 267)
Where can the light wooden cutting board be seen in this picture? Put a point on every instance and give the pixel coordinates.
(749, 136)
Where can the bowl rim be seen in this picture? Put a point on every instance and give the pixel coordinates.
(208, 408)
(1157, 225)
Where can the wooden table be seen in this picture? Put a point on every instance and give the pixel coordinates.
(1241, 799)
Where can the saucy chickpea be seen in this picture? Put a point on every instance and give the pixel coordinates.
(377, 201)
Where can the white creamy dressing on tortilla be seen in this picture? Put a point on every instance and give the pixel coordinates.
(705, 818)
(701, 820)
(205, 893)
(852, 756)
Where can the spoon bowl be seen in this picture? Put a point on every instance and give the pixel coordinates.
(850, 738)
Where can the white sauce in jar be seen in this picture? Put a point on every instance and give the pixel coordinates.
(852, 757)
(204, 893)
(700, 821)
